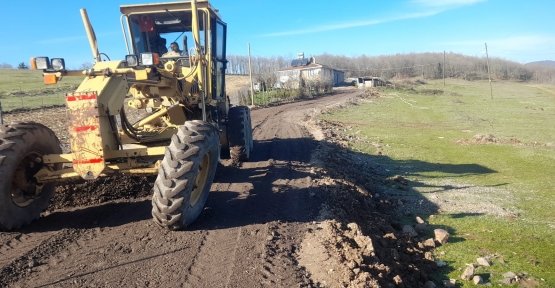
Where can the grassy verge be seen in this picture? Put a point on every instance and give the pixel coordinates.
(488, 163)
(21, 88)
(284, 95)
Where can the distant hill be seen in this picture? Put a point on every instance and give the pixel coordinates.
(549, 63)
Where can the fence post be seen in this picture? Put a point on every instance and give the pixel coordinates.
(1, 117)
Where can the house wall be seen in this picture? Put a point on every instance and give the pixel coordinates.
(291, 79)
(322, 75)
(338, 77)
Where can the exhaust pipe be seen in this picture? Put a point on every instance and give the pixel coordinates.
(90, 35)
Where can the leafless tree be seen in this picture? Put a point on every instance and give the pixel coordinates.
(5, 65)
(85, 65)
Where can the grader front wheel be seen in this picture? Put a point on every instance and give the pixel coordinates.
(22, 146)
(186, 175)
(239, 133)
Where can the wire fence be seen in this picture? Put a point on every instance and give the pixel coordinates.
(23, 101)
(276, 96)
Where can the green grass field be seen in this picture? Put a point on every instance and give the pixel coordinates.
(22, 88)
(433, 130)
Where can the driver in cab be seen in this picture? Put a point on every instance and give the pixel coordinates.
(175, 51)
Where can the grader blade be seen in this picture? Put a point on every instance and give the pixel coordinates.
(84, 128)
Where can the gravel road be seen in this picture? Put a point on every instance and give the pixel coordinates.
(101, 234)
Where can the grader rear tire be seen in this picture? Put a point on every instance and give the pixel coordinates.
(239, 133)
(185, 175)
(22, 146)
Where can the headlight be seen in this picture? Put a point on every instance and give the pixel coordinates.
(42, 63)
(131, 60)
(58, 64)
(148, 59)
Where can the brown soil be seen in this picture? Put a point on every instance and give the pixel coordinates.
(304, 212)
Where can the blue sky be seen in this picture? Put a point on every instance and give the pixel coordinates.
(520, 31)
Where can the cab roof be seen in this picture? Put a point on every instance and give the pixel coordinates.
(163, 6)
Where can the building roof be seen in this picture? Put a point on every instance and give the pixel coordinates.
(309, 66)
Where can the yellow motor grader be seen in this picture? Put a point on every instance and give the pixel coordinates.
(187, 119)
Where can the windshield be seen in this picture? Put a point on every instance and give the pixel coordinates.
(158, 32)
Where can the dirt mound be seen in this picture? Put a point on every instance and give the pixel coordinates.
(101, 190)
(360, 235)
(490, 139)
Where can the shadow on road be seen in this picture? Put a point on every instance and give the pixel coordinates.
(285, 184)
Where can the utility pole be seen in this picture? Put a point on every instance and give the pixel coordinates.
(443, 68)
(250, 75)
(489, 74)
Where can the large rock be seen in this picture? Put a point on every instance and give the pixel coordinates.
(483, 261)
(441, 236)
(468, 273)
(430, 243)
(409, 230)
(420, 227)
(419, 220)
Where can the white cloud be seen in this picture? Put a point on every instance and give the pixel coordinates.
(433, 7)
(346, 25)
(445, 3)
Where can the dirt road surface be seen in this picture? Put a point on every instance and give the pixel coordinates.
(247, 236)
(268, 222)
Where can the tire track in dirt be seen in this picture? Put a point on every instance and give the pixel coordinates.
(248, 235)
(21, 266)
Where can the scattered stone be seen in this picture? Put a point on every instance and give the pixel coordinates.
(441, 236)
(506, 281)
(390, 236)
(395, 253)
(483, 261)
(430, 284)
(421, 246)
(409, 230)
(509, 275)
(430, 243)
(32, 263)
(468, 272)
(420, 227)
(429, 256)
(478, 280)
(419, 220)
(398, 281)
(449, 283)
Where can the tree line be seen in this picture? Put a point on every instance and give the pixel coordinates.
(399, 66)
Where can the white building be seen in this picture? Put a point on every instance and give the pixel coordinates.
(303, 72)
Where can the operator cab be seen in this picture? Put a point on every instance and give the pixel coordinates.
(152, 28)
